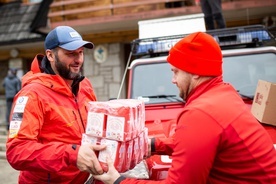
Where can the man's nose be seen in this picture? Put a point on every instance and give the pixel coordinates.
(78, 57)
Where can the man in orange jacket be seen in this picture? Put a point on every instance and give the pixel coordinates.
(217, 139)
(49, 115)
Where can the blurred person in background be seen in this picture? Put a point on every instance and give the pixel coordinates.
(12, 85)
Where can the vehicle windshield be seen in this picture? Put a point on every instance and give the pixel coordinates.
(152, 81)
(244, 71)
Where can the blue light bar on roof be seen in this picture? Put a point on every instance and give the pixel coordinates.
(241, 37)
(225, 37)
(155, 46)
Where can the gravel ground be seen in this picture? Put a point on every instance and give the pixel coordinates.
(7, 174)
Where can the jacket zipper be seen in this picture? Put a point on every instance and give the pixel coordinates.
(80, 115)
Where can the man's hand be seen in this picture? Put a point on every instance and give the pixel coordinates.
(87, 159)
(112, 174)
(148, 154)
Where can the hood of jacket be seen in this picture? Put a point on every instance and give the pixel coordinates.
(11, 76)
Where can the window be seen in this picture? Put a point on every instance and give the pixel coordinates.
(244, 71)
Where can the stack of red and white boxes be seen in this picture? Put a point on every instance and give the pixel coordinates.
(119, 124)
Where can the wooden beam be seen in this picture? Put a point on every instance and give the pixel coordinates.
(77, 11)
(105, 7)
(6, 1)
(99, 38)
(245, 4)
(69, 2)
(129, 16)
(23, 53)
(4, 55)
(227, 6)
(112, 37)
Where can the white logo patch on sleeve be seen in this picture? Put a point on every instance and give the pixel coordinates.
(17, 115)
(20, 104)
(14, 128)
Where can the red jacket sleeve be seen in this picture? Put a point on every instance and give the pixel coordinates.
(162, 146)
(23, 144)
(194, 150)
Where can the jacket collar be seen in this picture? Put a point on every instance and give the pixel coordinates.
(203, 87)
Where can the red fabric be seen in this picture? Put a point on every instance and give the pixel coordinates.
(217, 140)
(36, 63)
(164, 146)
(52, 120)
(271, 131)
(198, 53)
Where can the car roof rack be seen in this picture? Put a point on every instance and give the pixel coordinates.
(245, 36)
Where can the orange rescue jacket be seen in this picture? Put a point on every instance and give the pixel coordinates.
(47, 119)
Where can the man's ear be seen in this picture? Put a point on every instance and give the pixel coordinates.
(195, 77)
(50, 55)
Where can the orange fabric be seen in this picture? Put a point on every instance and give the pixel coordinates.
(34, 67)
(36, 63)
(51, 120)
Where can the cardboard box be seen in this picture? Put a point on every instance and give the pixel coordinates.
(264, 103)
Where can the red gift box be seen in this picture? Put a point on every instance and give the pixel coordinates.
(115, 150)
(96, 119)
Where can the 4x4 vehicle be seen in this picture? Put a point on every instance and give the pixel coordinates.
(248, 55)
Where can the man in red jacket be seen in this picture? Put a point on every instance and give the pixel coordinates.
(217, 139)
(49, 115)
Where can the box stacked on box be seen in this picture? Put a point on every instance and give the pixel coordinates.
(119, 124)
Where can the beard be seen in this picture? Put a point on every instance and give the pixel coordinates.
(64, 71)
(182, 95)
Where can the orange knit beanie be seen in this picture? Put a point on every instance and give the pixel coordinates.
(198, 53)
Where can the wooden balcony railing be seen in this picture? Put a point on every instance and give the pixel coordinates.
(88, 12)
(69, 10)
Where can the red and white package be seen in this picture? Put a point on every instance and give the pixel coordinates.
(146, 142)
(95, 124)
(134, 117)
(141, 139)
(128, 155)
(88, 139)
(96, 119)
(139, 107)
(135, 153)
(119, 121)
(116, 151)
(140, 115)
